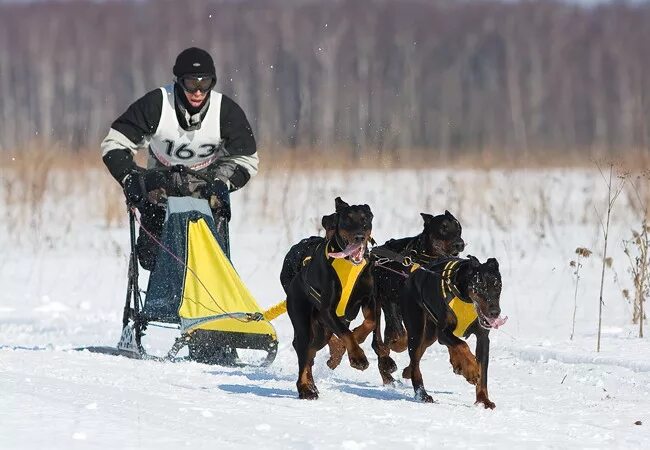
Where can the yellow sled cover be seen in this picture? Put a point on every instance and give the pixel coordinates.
(212, 287)
(195, 285)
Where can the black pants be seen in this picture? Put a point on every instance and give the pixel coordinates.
(152, 217)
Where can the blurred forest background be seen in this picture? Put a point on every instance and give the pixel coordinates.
(446, 79)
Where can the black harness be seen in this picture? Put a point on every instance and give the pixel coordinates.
(410, 255)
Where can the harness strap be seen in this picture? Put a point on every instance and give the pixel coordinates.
(447, 286)
(385, 253)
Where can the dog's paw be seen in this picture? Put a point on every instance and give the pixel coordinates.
(398, 344)
(468, 369)
(333, 363)
(422, 396)
(359, 361)
(387, 364)
(387, 379)
(308, 394)
(472, 373)
(337, 350)
(482, 399)
(487, 404)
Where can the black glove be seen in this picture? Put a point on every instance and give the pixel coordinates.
(219, 190)
(138, 184)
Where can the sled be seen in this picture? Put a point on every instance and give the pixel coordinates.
(195, 289)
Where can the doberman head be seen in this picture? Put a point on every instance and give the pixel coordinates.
(482, 282)
(442, 235)
(349, 228)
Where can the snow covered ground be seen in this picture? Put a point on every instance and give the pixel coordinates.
(62, 279)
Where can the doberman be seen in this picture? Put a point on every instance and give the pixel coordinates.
(440, 238)
(326, 294)
(448, 300)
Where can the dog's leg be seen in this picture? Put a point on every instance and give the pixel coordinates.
(483, 357)
(460, 356)
(360, 333)
(337, 350)
(357, 357)
(430, 336)
(396, 336)
(300, 313)
(415, 328)
(306, 386)
(385, 363)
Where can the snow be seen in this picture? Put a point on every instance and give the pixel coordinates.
(63, 286)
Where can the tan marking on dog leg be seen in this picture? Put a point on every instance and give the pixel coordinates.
(399, 344)
(356, 355)
(416, 375)
(306, 386)
(337, 350)
(361, 332)
(482, 394)
(464, 363)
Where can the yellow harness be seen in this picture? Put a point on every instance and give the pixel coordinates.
(347, 272)
(464, 312)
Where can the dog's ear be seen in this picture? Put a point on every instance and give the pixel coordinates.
(340, 204)
(367, 211)
(492, 264)
(474, 262)
(427, 218)
(329, 222)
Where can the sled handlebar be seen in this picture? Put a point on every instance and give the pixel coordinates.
(182, 170)
(181, 186)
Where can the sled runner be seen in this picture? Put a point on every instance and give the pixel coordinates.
(195, 288)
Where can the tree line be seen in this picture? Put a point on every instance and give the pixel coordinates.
(361, 75)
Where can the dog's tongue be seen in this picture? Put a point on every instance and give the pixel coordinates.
(497, 321)
(349, 250)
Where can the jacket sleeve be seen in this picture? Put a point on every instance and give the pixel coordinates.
(130, 132)
(240, 162)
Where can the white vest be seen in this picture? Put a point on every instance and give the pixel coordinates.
(171, 144)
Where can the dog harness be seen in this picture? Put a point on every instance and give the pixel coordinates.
(347, 272)
(464, 311)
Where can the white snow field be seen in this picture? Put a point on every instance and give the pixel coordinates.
(63, 279)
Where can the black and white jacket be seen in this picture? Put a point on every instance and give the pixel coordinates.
(218, 139)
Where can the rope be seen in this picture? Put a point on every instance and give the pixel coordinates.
(180, 261)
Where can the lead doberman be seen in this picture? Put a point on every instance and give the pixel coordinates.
(448, 300)
(326, 294)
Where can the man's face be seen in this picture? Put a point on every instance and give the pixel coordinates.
(196, 88)
(195, 98)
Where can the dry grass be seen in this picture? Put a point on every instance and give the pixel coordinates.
(485, 159)
(38, 172)
(40, 184)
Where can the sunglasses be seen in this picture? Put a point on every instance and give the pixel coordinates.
(193, 84)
